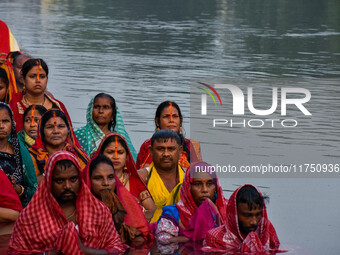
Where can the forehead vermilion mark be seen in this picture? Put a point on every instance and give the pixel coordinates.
(170, 110)
(116, 146)
(32, 115)
(38, 76)
(55, 118)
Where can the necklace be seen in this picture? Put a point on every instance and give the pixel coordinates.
(71, 215)
(124, 178)
(28, 103)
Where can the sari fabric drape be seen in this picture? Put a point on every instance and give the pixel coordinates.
(229, 238)
(19, 164)
(40, 155)
(18, 106)
(191, 220)
(134, 214)
(43, 226)
(90, 136)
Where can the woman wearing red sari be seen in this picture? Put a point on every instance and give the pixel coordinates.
(10, 207)
(54, 134)
(202, 207)
(127, 214)
(35, 73)
(115, 148)
(169, 116)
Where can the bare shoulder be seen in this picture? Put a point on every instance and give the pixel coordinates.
(143, 174)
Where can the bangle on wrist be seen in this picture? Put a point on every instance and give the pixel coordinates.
(22, 190)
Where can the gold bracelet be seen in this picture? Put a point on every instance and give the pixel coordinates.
(22, 190)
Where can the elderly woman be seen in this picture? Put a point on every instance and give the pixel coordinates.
(35, 73)
(202, 207)
(169, 116)
(55, 134)
(102, 117)
(14, 158)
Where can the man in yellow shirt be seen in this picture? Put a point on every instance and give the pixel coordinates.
(164, 176)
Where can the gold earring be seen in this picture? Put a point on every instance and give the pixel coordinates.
(158, 128)
(180, 130)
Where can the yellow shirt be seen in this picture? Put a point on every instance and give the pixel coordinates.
(160, 194)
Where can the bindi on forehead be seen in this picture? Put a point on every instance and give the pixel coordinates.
(55, 118)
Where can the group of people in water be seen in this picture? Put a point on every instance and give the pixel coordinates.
(88, 191)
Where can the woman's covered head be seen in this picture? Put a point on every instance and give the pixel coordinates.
(102, 175)
(3, 84)
(203, 182)
(104, 110)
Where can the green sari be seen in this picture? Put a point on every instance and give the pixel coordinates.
(91, 135)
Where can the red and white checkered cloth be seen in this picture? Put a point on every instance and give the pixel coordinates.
(43, 226)
(228, 237)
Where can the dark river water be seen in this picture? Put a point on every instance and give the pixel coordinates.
(145, 52)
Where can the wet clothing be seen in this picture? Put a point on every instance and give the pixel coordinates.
(228, 237)
(160, 194)
(43, 226)
(186, 218)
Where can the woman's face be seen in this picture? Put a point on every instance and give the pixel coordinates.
(5, 124)
(202, 187)
(102, 111)
(102, 178)
(31, 123)
(55, 132)
(36, 84)
(3, 90)
(170, 119)
(117, 154)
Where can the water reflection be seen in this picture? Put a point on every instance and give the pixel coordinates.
(146, 52)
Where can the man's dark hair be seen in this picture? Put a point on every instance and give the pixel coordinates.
(250, 195)
(164, 135)
(65, 163)
(101, 158)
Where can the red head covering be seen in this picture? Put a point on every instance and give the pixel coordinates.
(12, 86)
(230, 237)
(137, 185)
(5, 46)
(134, 216)
(72, 145)
(187, 206)
(43, 225)
(8, 196)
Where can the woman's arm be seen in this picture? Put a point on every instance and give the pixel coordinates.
(8, 215)
(149, 208)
